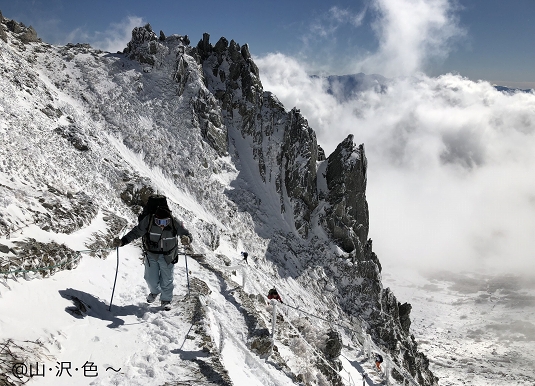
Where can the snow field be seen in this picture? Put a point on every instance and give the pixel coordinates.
(472, 331)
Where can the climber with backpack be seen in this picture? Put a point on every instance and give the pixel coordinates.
(273, 294)
(378, 361)
(245, 255)
(159, 231)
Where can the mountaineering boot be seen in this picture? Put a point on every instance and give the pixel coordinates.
(166, 305)
(151, 298)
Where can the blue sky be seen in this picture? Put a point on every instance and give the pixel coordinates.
(479, 39)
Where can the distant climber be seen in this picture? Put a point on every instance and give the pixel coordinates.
(245, 255)
(273, 294)
(160, 231)
(378, 361)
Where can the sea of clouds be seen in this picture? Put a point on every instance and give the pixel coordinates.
(451, 182)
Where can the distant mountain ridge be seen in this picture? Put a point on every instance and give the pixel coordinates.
(347, 87)
(512, 90)
(236, 164)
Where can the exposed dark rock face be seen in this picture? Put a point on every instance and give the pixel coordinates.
(19, 30)
(14, 27)
(404, 316)
(321, 154)
(142, 47)
(333, 346)
(204, 47)
(29, 35)
(300, 154)
(291, 155)
(359, 285)
(394, 335)
(284, 146)
(3, 34)
(145, 45)
(182, 72)
(74, 135)
(208, 118)
(52, 112)
(347, 218)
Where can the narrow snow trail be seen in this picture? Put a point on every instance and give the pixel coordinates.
(131, 344)
(257, 280)
(230, 333)
(240, 363)
(354, 366)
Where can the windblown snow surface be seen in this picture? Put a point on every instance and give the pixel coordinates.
(132, 137)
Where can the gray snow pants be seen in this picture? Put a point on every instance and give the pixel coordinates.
(159, 276)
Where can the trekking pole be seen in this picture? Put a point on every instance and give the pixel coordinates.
(244, 277)
(187, 272)
(115, 281)
(273, 319)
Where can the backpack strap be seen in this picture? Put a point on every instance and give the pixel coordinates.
(175, 232)
(146, 236)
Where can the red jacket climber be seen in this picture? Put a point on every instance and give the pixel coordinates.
(273, 294)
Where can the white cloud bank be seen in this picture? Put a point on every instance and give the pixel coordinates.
(451, 180)
(411, 33)
(409, 36)
(451, 172)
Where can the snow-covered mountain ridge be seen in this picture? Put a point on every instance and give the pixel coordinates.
(86, 135)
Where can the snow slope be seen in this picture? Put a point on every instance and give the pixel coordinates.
(82, 131)
(144, 344)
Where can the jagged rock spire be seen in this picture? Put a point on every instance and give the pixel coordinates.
(19, 30)
(347, 218)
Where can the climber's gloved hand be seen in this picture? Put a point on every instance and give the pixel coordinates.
(117, 243)
(185, 240)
